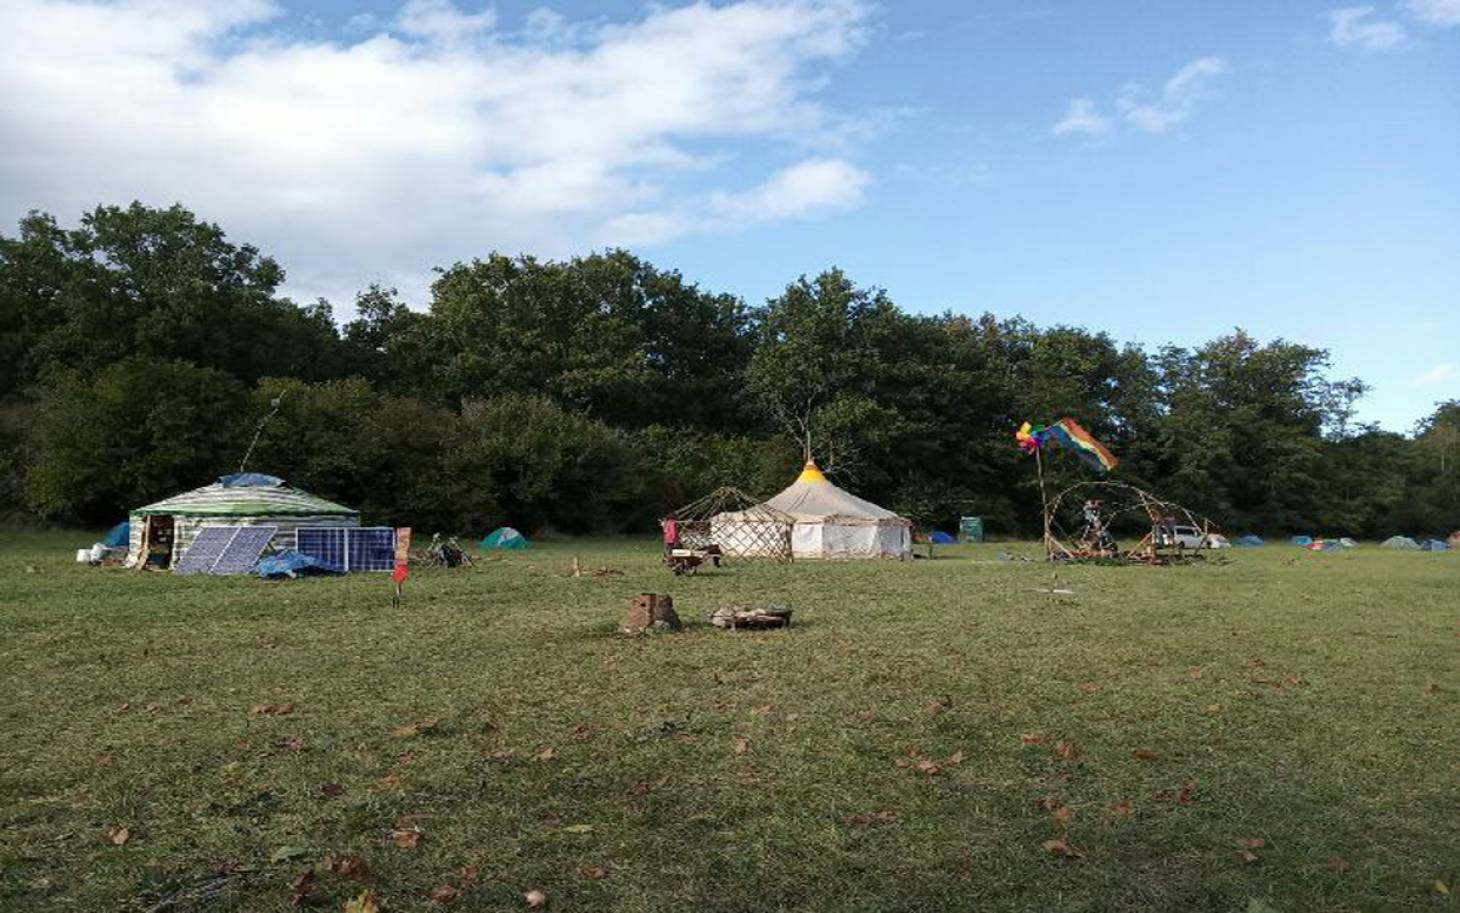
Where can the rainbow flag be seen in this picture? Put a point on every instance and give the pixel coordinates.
(1068, 434)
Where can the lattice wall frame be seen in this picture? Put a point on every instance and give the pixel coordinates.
(741, 526)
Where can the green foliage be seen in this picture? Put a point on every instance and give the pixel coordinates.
(140, 350)
(548, 467)
(138, 431)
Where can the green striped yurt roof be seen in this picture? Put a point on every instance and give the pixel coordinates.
(254, 498)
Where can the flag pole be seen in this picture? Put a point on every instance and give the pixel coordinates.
(1043, 499)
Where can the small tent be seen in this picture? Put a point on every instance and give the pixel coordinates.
(938, 537)
(1400, 543)
(1304, 541)
(1433, 545)
(830, 522)
(166, 529)
(1250, 540)
(503, 537)
(1346, 542)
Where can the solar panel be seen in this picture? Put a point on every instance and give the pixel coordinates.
(243, 550)
(325, 545)
(371, 549)
(207, 546)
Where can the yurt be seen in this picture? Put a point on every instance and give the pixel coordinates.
(831, 523)
(243, 499)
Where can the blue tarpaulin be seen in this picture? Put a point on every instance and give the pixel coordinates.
(290, 563)
(1250, 539)
(939, 537)
(117, 536)
(250, 480)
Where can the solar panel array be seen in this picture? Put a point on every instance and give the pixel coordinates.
(325, 545)
(370, 548)
(243, 552)
(207, 547)
(223, 550)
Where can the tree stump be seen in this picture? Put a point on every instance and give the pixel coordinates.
(650, 610)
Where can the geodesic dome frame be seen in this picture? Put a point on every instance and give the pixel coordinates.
(1070, 534)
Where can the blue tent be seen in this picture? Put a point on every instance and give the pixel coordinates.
(117, 536)
(1333, 545)
(938, 537)
(290, 563)
(1433, 545)
(1250, 539)
(1302, 540)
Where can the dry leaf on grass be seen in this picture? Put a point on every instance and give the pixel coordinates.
(1214, 708)
(596, 872)
(1145, 754)
(1183, 795)
(741, 747)
(1122, 808)
(1061, 814)
(331, 790)
(293, 744)
(350, 868)
(1248, 847)
(301, 887)
(1194, 672)
(468, 873)
(272, 709)
(536, 900)
(876, 819)
(546, 754)
(1337, 863)
(406, 839)
(957, 757)
(1090, 687)
(1062, 849)
(117, 836)
(639, 789)
(444, 895)
(1031, 738)
(413, 730)
(365, 903)
(1067, 751)
(927, 767)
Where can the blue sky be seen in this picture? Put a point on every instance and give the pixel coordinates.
(1162, 171)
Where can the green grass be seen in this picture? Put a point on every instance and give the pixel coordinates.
(1311, 698)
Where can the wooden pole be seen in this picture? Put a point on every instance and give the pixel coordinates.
(1043, 499)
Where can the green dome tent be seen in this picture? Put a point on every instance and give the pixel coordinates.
(503, 537)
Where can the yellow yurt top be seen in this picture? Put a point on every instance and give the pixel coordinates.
(810, 473)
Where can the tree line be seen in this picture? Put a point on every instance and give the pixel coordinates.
(141, 351)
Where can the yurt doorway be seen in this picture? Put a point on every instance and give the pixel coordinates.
(158, 535)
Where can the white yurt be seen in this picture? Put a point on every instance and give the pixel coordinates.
(164, 530)
(832, 523)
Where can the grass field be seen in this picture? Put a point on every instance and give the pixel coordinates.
(1157, 722)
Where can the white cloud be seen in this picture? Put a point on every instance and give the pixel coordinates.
(1177, 99)
(423, 138)
(805, 190)
(1082, 119)
(1440, 373)
(440, 20)
(1142, 110)
(1444, 13)
(1356, 27)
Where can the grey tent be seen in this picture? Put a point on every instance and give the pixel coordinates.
(1400, 543)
